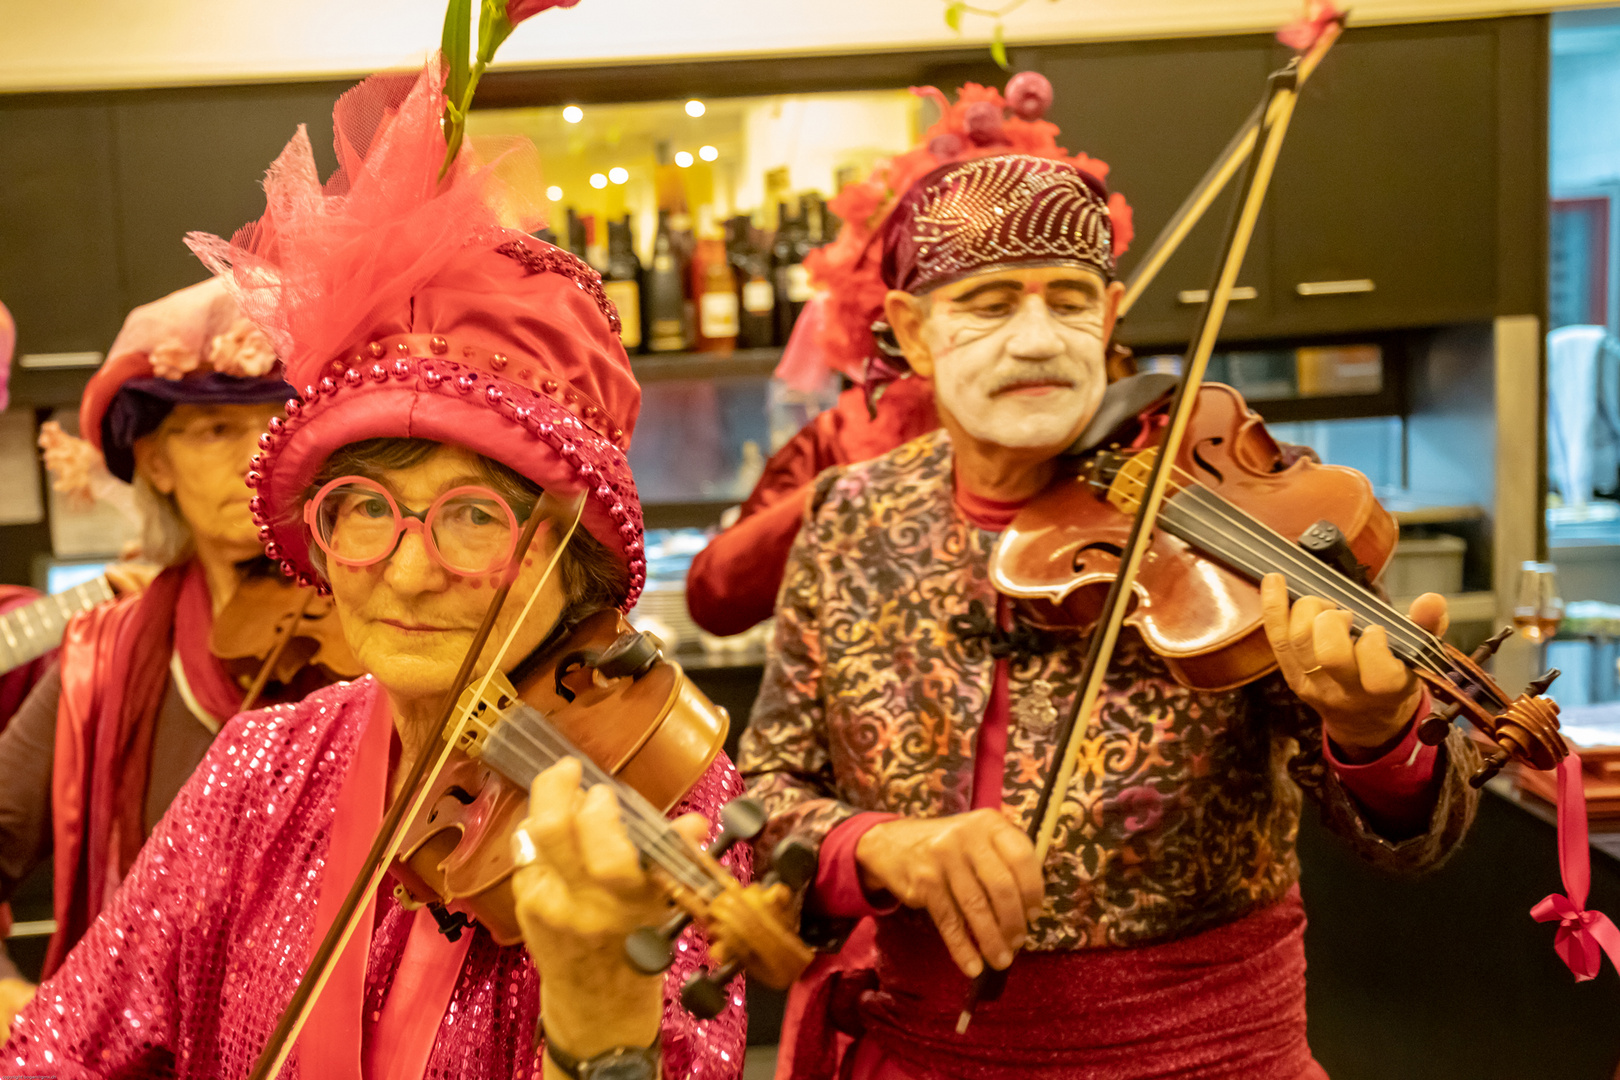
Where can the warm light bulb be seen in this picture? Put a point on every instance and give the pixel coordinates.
(554, 193)
(618, 175)
(683, 159)
(695, 108)
(573, 114)
(708, 153)
(598, 181)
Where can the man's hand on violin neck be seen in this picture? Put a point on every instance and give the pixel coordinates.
(975, 873)
(1363, 692)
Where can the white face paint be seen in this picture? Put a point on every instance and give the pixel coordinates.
(1018, 355)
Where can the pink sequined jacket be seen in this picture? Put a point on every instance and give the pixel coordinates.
(1185, 807)
(187, 971)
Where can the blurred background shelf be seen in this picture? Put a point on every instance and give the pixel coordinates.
(743, 363)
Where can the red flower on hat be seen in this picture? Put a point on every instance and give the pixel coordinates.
(974, 126)
(518, 10)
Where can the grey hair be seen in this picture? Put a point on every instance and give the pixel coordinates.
(592, 575)
(165, 537)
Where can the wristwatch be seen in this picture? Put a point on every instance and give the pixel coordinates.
(619, 1063)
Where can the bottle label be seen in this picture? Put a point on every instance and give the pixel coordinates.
(798, 283)
(758, 298)
(718, 315)
(626, 296)
(668, 335)
(663, 264)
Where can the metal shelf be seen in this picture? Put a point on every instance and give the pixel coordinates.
(741, 364)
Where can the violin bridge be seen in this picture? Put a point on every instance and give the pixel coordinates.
(482, 713)
(1131, 479)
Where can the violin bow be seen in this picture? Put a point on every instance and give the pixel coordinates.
(408, 804)
(1214, 181)
(1275, 111)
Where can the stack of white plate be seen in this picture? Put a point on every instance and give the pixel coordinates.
(662, 612)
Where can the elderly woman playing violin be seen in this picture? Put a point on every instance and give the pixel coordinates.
(454, 376)
(905, 721)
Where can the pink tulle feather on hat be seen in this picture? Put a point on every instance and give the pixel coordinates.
(409, 307)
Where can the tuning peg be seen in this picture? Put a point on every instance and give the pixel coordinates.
(1539, 686)
(740, 819)
(1488, 647)
(1493, 765)
(651, 949)
(631, 656)
(1432, 731)
(793, 863)
(704, 994)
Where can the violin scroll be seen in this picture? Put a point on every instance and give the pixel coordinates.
(1526, 730)
(749, 929)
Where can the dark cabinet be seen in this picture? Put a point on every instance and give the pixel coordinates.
(60, 266)
(1384, 203)
(1385, 208)
(1159, 113)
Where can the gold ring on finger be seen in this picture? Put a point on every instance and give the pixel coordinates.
(1312, 670)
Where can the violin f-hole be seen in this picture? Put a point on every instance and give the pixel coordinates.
(1079, 563)
(1204, 463)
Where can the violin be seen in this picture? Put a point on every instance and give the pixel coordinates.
(1235, 511)
(272, 629)
(606, 696)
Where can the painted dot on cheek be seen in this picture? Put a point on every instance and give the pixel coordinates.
(476, 583)
(528, 562)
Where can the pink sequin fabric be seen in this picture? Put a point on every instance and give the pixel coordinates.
(187, 971)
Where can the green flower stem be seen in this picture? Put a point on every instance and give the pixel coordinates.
(493, 29)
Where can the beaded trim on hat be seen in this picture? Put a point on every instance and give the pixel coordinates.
(374, 359)
(596, 460)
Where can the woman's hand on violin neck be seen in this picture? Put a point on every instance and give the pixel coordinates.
(578, 896)
(1365, 695)
(975, 873)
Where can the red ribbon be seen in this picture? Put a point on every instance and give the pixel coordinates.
(1583, 936)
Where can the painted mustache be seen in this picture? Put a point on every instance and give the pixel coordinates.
(1027, 374)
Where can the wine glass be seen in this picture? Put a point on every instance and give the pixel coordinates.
(1538, 609)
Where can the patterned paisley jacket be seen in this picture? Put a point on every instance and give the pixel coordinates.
(1185, 807)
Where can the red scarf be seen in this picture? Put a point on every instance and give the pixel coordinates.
(115, 671)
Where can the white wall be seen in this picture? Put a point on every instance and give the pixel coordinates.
(109, 43)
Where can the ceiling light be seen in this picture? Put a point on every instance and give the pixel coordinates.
(573, 114)
(708, 153)
(554, 193)
(683, 159)
(695, 108)
(598, 181)
(618, 175)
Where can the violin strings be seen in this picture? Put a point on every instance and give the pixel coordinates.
(1414, 637)
(651, 829)
(1424, 646)
(654, 835)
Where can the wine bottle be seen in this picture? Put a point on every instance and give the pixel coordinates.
(751, 263)
(789, 276)
(576, 233)
(714, 287)
(666, 294)
(622, 282)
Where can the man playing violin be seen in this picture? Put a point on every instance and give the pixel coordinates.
(905, 720)
(107, 738)
(454, 372)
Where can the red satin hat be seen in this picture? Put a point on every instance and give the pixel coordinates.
(406, 308)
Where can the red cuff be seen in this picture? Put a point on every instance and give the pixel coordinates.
(1397, 789)
(838, 892)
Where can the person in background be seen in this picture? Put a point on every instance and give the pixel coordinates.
(114, 727)
(904, 722)
(14, 684)
(732, 584)
(455, 370)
